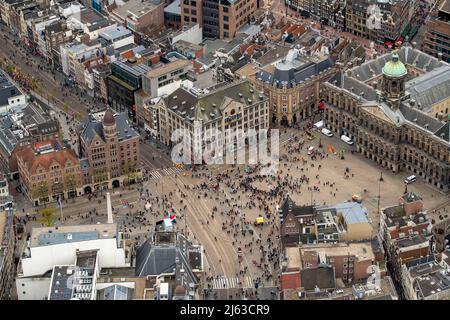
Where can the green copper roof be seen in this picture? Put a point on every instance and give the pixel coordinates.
(394, 68)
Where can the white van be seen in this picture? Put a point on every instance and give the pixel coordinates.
(346, 139)
(410, 179)
(326, 132)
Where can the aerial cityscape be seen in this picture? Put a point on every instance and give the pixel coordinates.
(225, 150)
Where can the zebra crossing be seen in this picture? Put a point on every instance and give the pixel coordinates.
(230, 283)
(158, 174)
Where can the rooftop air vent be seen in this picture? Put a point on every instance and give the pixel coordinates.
(174, 98)
(240, 94)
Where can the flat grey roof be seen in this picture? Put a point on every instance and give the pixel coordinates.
(58, 238)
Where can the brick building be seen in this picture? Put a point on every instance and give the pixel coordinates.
(293, 86)
(48, 170)
(110, 150)
(350, 261)
(437, 36)
(219, 19)
(140, 16)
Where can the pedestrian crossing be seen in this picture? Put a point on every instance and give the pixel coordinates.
(158, 174)
(230, 283)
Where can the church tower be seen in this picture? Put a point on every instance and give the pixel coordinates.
(109, 125)
(394, 77)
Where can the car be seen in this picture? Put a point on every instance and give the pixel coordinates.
(311, 150)
(410, 179)
(326, 132)
(259, 221)
(347, 140)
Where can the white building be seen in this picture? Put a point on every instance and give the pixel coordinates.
(58, 246)
(118, 37)
(191, 33)
(235, 108)
(11, 98)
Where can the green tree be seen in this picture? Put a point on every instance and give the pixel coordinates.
(40, 190)
(71, 182)
(131, 172)
(100, 176)
(47, 216)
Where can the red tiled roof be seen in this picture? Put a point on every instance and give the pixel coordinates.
(290, 280)
(33, 160)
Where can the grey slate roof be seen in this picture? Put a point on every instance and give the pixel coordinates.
(157, 259)
(209, 107)
(430, 88)
(91, 128)
(289, 206)
(420, 118)
(292, 73)
(444, 132)
(408, 56)
(427, 89)
(152, 260)
(7, 90)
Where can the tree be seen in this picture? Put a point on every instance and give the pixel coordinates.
(40, 190)
(131, 171)
(71, 182)
(47, 216)
(100, 176)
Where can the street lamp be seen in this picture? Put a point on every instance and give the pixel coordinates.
(381, 176)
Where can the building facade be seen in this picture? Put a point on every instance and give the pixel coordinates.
(437, 36)
(49, 171)
(371, 104)
(293, 87)
(140, 16)
(321, 8)
(237, 107)
(219, 19)
(7, 245)
(110, 150)
(125, 79)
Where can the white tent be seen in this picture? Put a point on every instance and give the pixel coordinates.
(319, 124)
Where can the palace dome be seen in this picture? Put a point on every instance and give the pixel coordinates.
(394, 68)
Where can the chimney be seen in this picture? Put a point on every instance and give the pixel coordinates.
(109, 208)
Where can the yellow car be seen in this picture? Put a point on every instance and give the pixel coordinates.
(259, 221)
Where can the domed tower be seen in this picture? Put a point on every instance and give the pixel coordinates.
(109, 124)
(394, 75)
